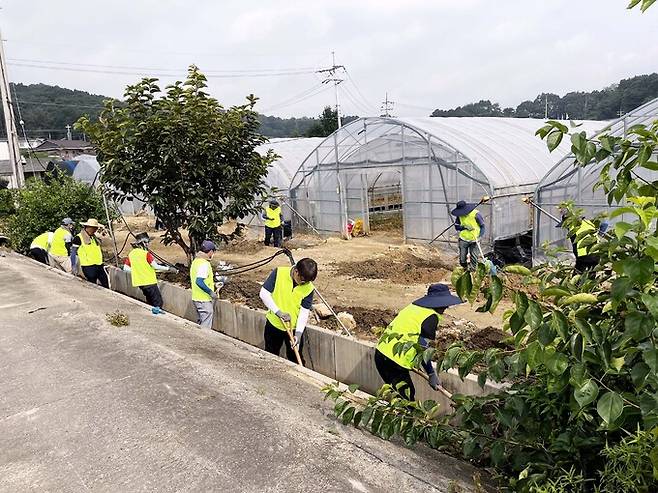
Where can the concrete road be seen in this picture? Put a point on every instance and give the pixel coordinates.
(162, 405)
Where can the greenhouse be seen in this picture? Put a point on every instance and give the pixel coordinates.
(423, 166)
(567, 181)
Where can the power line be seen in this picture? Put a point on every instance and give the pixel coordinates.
(333, 77)
(366, 100)
(132, 67)
(161, 74)
(296, 101)
(387, 106)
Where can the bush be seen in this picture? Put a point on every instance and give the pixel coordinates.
(41, 207)
(6, 203)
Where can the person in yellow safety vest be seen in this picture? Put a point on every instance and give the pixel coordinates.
(40, 246)
(470, 224)
(203, 284)
(417, 323)
(584, 260)
(86, 251)
(60, 247)
(273, 223)
(142, 267)
(288, 295)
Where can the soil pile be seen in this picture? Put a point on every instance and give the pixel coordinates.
(398, 267)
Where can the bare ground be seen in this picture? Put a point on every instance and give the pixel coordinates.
(370, 277)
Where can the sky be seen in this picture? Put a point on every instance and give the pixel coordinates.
(425, 54)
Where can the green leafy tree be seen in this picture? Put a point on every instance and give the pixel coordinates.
(326, 125)
(193, 161)
(41, 206)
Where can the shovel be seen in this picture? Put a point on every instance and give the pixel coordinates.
(292, 343)
(441, 387)
(490, 265)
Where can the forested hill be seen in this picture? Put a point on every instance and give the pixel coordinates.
(46, 110)
(605, 104)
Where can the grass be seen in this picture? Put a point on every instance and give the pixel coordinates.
(117, 319)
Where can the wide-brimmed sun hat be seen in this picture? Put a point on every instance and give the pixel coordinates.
(142, 238)
(438, 296)
(92, 223)
(463, 208)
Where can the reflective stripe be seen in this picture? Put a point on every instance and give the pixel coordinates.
(58, 246)
(199, 294)
(273, 217)
(90, 254)
(141, 272)
(43, 241)
(470, 220)
(584, 226)
(288, 297)
(407, 326)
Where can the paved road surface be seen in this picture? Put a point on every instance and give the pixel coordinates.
(163, 406)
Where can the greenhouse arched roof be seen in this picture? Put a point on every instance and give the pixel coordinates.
(292, 152)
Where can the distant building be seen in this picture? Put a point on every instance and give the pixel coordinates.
(30, 169)
(66, 149)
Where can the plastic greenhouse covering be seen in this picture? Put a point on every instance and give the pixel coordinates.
(568, 181)
(435, 162)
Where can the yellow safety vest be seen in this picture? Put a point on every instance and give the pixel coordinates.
(90, 254)
(141, 272)
(42, 241)
(584, 226)
(288, 297)
(58, 246)
(469, 220)
(407, 325)
(273, 217)
(199, 294)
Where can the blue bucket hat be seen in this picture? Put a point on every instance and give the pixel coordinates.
(438, 296)
(463, 208)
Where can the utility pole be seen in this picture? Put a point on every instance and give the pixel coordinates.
(546, 107)
(18, 178)
(333, 77)
(68, 132)
(387, 106)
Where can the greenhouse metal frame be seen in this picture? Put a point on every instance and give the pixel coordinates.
(567, 181)
(437, 162)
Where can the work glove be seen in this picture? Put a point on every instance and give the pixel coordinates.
(213, 296)
(285, 317)
(173, 269)
(434, 381)
(298, 338)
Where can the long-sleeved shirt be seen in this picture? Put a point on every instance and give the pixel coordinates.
(266, 296)
(478, 218)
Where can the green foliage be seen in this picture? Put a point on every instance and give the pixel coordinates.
(42, 205)
(595, 105)
(193, 161)
(584, 365)
(6, 203)
(327, 123)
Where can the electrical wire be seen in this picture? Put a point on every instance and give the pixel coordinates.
(353, 82)
(299, 100)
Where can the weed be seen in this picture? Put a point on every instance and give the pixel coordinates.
(117, 319)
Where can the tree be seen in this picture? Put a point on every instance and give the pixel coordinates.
(194, 162)
(41, 206)
(326, 125)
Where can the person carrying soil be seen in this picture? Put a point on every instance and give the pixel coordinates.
(40, 246)
(86, 251)
(60, 247)
(273, 220)
(203, 284)
(288, 295)
(416, 323)
(142, 267)
(470, 224)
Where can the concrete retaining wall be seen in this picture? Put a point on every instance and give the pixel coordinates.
(333, 355)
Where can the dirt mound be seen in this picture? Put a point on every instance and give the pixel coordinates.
(242, 246)
(369, 321)
(242, 291)
(472, 336)
(398, 267)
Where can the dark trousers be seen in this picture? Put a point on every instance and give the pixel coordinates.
(275, 338)
(468, 253)
(277, 233)
(152, 294)
(94, 274)
(40, 255)
(394, 375)
(586, 262)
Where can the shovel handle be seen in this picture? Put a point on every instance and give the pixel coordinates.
(292, 344)
(441, 388)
